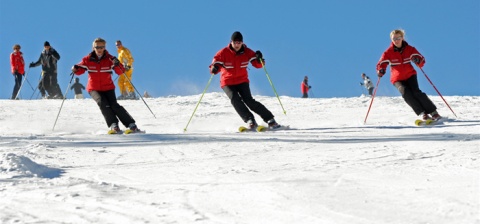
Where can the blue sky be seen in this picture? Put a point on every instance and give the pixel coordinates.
(173, 42)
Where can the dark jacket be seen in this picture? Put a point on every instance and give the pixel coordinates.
(77, 87)
(48, 60)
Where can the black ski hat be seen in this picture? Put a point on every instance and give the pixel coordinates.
(46, 44)
(237, 36)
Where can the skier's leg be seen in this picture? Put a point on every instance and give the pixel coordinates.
(16, 87)
(407, 95)
(56, 87)
(104, 106)
(41, 85)
(237, 103)
(47, 84)
(117, 109)
(255, 106)
(420, 96)
(128, 84)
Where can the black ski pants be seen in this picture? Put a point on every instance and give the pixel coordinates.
(50, 84)
(111, 110)
(414, 97)
(242, 100)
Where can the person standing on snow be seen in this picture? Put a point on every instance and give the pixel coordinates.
(100, 66)
(232, 61)
(17, 65)
(48, 59)
(77, 88)
(125, 57)
(367, 83)
(404, 77)
(304, 87)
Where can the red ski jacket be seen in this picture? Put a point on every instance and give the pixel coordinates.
(399, 60)
(233, 65)
(100, 71)
(304, 87)
(17, 63)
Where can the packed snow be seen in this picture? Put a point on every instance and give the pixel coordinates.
(329, 167)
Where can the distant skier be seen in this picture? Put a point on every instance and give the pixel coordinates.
(125, 57)
(232, 61)
(48, 59)
(17, 65)
(146, 95)
(100, 66)
(304, 87)
(77, 88)
(404, 77)
(368, 84)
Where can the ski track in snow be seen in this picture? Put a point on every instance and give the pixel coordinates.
(328, 168)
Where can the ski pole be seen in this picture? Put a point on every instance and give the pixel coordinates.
(21, 85)
(268, 77)
(28, 82)
(139, 94)
(39, 81)
(64, 97)
(371, 102)
(206, 87)
(437, 91)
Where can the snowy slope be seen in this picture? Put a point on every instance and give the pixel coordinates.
(329, 168)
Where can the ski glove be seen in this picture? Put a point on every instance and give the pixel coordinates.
(259, 56)
(381, 72)
(416, 60)
(214, 69)
(31, 65)
(127, 67)
(75, 68)
(115, 61)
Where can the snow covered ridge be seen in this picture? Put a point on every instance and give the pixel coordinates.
(329, 167)
(15, 166)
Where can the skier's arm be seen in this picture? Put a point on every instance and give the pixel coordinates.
(382, 64)
(255, 58)
(55, 54)
(417, 58)
(39, 62)
(217, 63)
(12, 63)
(117, 66)
(81, 67)
(129, 57)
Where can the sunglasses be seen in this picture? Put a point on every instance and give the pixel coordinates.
(237, 42)
(99, 47)
(397, 38)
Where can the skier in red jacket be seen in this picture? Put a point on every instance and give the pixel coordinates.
(100, 65)
(404, 77)
(232, 61)
(304, 87)
(18, 69)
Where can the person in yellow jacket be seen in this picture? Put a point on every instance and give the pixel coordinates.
(125, 57)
